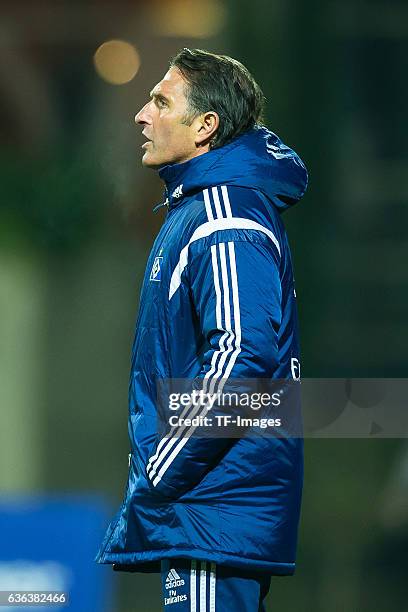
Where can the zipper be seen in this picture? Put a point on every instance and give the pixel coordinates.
(158, 206)
(137, 327)
(165, 203)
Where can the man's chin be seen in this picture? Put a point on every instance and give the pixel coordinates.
(148, 161)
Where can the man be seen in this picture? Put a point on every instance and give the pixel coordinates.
(218, 516)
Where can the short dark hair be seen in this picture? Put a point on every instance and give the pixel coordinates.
(221, 84)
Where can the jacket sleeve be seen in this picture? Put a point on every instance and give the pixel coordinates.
(235, 291)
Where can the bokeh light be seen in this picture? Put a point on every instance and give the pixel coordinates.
(117, 61)
(187, 18)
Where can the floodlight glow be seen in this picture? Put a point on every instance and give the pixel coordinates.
(117, 61)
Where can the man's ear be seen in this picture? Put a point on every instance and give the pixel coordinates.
(207, 125)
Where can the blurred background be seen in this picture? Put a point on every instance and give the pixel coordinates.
(76, 225)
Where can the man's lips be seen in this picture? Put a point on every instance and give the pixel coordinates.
(146, 143)
(148, 140)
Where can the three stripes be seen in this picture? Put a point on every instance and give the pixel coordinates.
(202, 575)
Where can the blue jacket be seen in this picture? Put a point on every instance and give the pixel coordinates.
(217, 302)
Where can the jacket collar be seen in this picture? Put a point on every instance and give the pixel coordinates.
(179, 178)
(256, 159)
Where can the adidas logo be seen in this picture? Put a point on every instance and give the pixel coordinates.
(173, 580)
(178, 192)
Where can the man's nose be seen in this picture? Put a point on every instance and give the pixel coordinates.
(143, 115)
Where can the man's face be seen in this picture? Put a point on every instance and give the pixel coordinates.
(169, 140)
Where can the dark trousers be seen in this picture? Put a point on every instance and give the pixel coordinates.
(202, 586)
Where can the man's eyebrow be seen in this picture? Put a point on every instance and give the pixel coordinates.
(158, 96)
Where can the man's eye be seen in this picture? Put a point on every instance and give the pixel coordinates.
(161, 103)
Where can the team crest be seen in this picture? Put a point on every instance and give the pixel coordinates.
(275, 150)
(155, 274)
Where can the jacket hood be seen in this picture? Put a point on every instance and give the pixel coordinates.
(257, 159)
